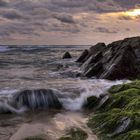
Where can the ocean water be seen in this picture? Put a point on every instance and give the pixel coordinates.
(42, 67)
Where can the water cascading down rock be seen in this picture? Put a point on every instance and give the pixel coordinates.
(31, 100)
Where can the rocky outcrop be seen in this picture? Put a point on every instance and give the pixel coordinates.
(83, 56)
(118, 60)
(99, 47)
(67, 55)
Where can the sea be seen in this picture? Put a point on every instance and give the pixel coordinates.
(42, 67)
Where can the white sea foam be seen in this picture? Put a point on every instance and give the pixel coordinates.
(33, 99)
(90, 88)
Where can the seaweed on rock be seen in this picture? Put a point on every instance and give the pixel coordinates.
(120, 119)
(75, 134)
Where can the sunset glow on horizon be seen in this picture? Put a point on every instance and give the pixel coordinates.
(135, 12)
(68, 22)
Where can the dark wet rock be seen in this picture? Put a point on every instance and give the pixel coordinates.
(67, 55)
(105, 100)
(99, 47)
(92, 102)
(36, 99)
(3, 108)
(118, 60)
(83, 56)
(70, 73)
(120, 63)
(94, 70)
(94, 50)
(91, 61)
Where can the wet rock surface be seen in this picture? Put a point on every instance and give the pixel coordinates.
(118, 60)
(67, 55)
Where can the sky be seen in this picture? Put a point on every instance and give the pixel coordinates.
(68, 22)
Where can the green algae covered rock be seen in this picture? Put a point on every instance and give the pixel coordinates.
(75, 134)
(120, 119)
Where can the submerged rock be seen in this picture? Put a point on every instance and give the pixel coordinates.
(67, 55)
(31, 100)
(40, 98)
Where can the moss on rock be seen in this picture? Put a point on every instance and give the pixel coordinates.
(121, 117)
(75, 134)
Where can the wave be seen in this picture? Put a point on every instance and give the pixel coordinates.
(30, 100)
(22, 101)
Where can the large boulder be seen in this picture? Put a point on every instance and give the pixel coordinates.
(117, 60)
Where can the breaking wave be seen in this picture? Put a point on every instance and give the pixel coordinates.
(22, 101)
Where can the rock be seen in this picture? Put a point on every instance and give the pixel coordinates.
(91, 61)
(83, 56)
(117, 60)
(123, 127)
(99, 47)
(92, 102)
(94, 50)
(75, 134)
(104, 102)
(38, 99)
(121, 64)
(94, 70)
(67, 55)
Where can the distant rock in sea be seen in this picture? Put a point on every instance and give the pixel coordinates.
(118, 60)
(67, 55)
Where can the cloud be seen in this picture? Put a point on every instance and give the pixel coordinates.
(3, 3)
(29, 18)
(66, 18)
(105, 30)
(12, 14)
(129, 4)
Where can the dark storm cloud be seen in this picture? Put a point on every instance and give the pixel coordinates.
(3, 3)
(13, 14)
(128, 3)
(105, 30)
